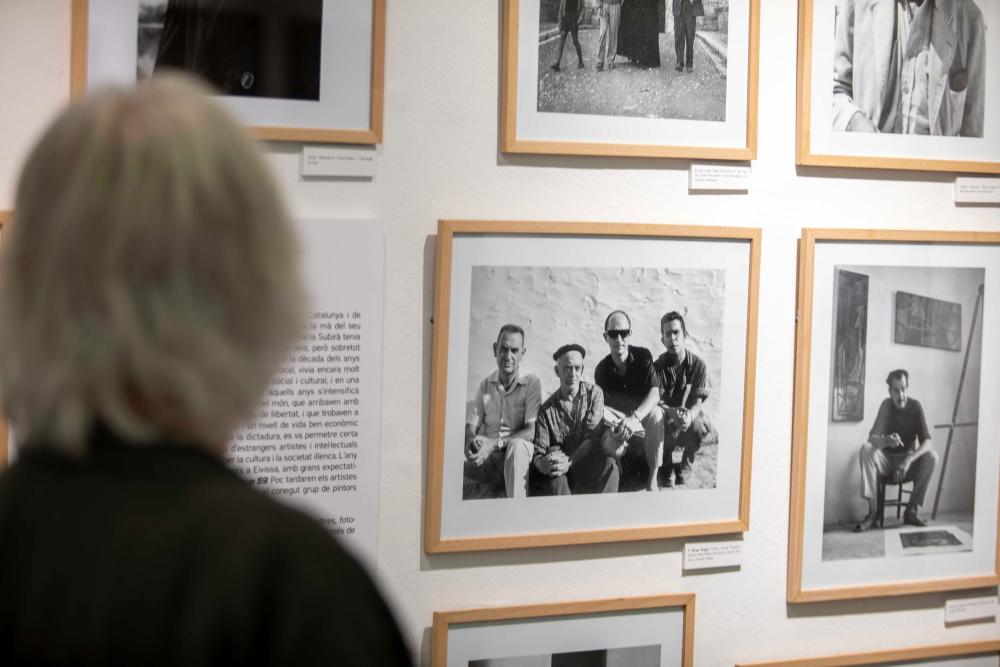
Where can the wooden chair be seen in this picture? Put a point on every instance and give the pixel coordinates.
(900, 502)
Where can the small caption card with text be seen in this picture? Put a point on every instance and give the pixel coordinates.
(977, 190)
(338, 161)
(970, 609)
(705, 555)
(716, 177)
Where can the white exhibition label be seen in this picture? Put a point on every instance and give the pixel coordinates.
(977, 190)
(713, 176)
(703, 555)
(338, 161)
(315, 442)
(970, 609)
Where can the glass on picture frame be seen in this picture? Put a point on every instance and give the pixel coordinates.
(314, 74)
(888, 85)
(650, 78)
(585, 377)
(904, 497)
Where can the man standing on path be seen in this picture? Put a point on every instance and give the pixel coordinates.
(569, 19)
(607, 46)
(686, 13)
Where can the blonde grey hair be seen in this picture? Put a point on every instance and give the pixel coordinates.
(149, 281)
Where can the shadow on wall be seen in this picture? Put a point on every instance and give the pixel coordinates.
(559, 305)
(934, 380)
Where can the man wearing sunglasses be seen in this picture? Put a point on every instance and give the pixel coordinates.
(630, 388)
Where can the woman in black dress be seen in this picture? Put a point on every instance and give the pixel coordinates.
(639, 34)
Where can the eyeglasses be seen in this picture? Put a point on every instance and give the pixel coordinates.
(618, 333)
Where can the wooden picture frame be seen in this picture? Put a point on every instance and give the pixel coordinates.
(614, 616)
(582, 263)
(731, 134)
(5, 217)
(828, 558)
(893, 656)
(355, 117)
(822, 138)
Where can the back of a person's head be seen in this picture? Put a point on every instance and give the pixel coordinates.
(149, 279)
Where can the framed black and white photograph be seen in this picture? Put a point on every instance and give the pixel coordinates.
(652, 78)
(653, 631)
(591, 382)
(914, 85)
(969, 654)
(295, 70)
(902, 496)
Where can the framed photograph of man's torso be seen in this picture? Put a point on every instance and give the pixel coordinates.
(897, 493)
(970, 654)
(295, 70)
(915, 84)
(591, 383)
(653, 631)
(644, 78)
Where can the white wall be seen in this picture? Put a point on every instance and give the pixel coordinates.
(440, 160)
(934, 377)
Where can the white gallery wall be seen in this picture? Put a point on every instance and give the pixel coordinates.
(439, 159)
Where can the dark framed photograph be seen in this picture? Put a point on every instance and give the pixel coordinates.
(298, 70)
(903, 497)
(891, 85)
(650, 78)
(591, 382)
(970, 654)
(654, 631)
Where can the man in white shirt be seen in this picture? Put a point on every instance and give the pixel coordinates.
(500, 427)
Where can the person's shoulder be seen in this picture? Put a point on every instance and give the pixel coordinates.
(531, 380)
(484, 384)
(550, 402)
(661, 362)
(602, 365)
(641, 354)
(969, 11)
(696, 360)
(914, 405)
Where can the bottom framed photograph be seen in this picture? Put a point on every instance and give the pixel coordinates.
(973, 654)
(654, 631)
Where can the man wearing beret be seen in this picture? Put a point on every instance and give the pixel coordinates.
(569, 456)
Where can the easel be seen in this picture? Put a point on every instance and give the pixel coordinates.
(952, 425)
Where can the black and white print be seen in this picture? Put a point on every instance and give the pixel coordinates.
(908, 488)
(247, 48)
(665, 59)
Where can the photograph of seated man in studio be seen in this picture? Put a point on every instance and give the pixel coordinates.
(904, 411)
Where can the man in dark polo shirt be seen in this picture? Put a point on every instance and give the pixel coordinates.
(630, 388)
(569, 457)
(683, 379)
(899, 447)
